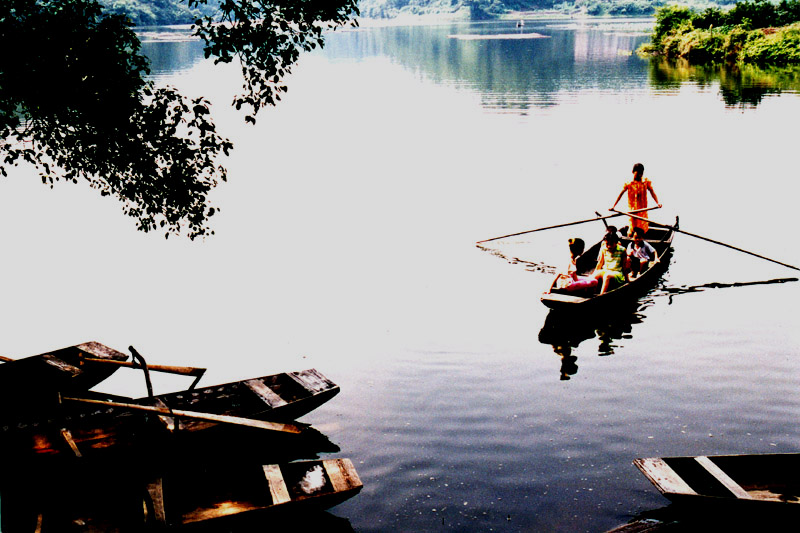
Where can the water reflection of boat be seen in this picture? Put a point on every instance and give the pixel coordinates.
(751, 482)
(564, 331)
(589, 299)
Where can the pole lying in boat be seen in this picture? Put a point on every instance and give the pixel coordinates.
(196, 415)
(566, 224)
(704, 238)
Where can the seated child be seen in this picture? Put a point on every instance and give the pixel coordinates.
(640, 253)
(570, 280)
(610, 263)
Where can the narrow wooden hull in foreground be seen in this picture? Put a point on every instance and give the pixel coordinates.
(588, 300)
(36, 378)
(208, 494)
(767, 481)
(80, 429)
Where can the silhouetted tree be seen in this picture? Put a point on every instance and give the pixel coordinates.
(75, 101)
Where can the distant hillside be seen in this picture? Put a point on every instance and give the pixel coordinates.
(484, 9)
(163, 12)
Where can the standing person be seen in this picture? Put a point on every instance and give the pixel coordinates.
(637, 197)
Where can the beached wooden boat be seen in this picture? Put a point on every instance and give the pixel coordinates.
(590, 300)
(768, 481)
(32, 380)
(202, 494)
(84, 426)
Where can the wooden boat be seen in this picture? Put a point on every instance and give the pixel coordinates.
(135, 496)
(30, 381)
(95, 425)
(769, 481)
(590, 300)
(200, 495)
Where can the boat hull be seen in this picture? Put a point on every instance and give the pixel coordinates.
(563, 300)
(766, 481)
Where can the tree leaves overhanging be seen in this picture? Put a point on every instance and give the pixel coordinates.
(76, 103)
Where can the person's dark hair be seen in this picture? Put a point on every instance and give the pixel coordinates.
(611, 229)
(638, 232)
(638, 167)
(576, 246)
(611, 237)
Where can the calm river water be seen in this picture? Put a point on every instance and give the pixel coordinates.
(346, 242)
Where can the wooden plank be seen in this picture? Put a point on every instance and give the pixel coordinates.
(277, 485)
(155, 490)
(723, 478)
(65, 433)
(312, 380)
(342, 474)
(61, 364)
(265, 393)
(101, 351)
(169, 422)
(663, 476)
(563, 298)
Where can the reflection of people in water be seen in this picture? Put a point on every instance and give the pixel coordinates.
(565, 332)
(569, 366)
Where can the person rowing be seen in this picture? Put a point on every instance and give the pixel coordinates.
(637, 190)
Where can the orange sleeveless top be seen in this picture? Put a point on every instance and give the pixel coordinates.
(637, 199)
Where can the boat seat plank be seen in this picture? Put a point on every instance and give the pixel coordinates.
(564, 298)
(342, 474)
(168, 421)
(722, 477)
(155, 490)
(101, 351)
(265, 393)
(277, 486)
(67, 436)
(62, 365)
(663, 476)
(312, 380)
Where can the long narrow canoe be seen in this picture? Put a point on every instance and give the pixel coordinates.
(201, 495)
(82, 428)
(590, 300)
(135, 495)
(67, 370)
(760, 480)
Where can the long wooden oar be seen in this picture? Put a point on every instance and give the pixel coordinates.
(5, 359)
(208, 417)
(181, 370)
(706, 239)
(565, 224)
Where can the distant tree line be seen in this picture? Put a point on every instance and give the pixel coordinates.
(754, 31)
(159, 12)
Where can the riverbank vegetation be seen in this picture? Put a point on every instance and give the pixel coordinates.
(755, 31)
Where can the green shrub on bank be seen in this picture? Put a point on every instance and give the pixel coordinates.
(746, 33)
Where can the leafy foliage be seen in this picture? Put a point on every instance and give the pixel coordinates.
(267, 38)
(76, 104)
(746, 32)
